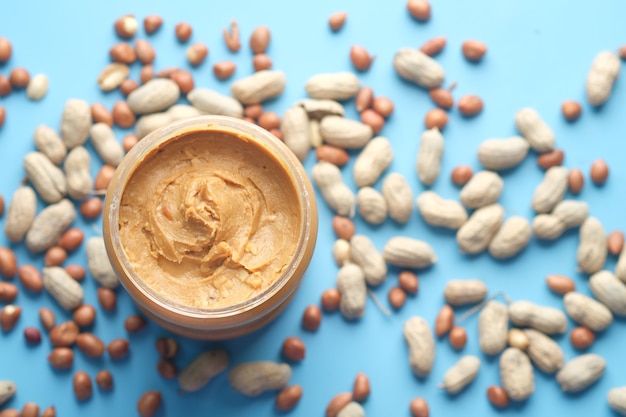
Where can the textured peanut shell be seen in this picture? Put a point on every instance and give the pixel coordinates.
(437, 211)
(407, 252)
(352, 409)
(315, 132)
(254, 378)
(493, 328)
(371, 205)
(535, 130)
(21, 214)
(317, 109)
(335, 192)
(49, 225)
(75, 122)
(513, 236)
(516, 374)
(571, 212)
(62, 287)
(202, 369)
(461, 374)
(7, 390)
(417, 67)
(341, 252)
(77, 173)
(587, 312)
(463, 292)
(345, 133)
(580, 372)
(500, 154)
(364, 253)
(544, 352)
(548, 227)
(156, 95)
(483, 189)
(592, 249)
(47, 178)
(351, 285)
(617, 400)
(373, 160)
(429, 156)
(477, 232)
(610, 291)
(150, 122)
(333, 86)
(295, 128)
(107, 147)
(620, 266)
(421, 343)
(212, 102)
(547, 320)
(49, 143)
(258, 87)
(99, 264)
(602, 75)
(551, 190)
(399, 197)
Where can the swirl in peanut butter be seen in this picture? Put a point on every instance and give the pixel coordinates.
(210, 219)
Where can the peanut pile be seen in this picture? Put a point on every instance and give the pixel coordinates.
(519, 332)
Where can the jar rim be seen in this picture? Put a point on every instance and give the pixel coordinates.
(172, 132)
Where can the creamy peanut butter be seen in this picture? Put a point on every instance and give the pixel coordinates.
(210, 219)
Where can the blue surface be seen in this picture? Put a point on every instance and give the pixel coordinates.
(539, 55)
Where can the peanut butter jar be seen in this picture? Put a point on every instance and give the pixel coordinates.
(210, 224)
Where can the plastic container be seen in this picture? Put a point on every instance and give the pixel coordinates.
(227, 321)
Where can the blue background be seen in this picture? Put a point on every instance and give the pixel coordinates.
(539, 55)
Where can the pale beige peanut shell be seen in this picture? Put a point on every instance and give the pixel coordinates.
(580, 372)
(616, 398)
(49, 225)
(462, 292)
(592, 249)
(429, 156)
(516, 374)
(353, 290)
(364, 253)
(333, 86)
(75, 122)
(419, 337)
(98, 263)
(212, 102)
(493, 327)
(373, 160)
(551, 190)
(602, 75)
(399, 197)
(407, 252)
(296, 134)
(610, 291)
(259, 87)
(62, 287)
(371, 205)
(545, 319)
(477, 232)
(482, 189)
(200, 371)
(513, 236)
(317, 109)
(501, 154)
(50, 144)
(437, 211)
(544, 352)
(417, 67)
(107, 147)
(77, 173)
(345, 133)
(335, 192)
(21, 214)
(587, 312)
(535, 130)
(461, 374)
(254, 378)
(156, 95)
(47, 178)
